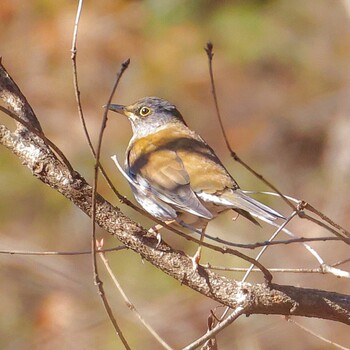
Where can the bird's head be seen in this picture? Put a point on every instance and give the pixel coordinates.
(149, 114)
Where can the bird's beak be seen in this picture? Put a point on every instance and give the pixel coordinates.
(117, 108)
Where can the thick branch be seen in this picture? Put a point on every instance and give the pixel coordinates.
(262, 299)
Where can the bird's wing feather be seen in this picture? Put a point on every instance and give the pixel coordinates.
(167, 178)
(145, 197)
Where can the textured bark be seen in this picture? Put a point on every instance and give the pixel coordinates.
(255, 298)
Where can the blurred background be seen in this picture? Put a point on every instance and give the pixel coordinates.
(282, 75)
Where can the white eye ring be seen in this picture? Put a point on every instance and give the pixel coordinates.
(144, 111)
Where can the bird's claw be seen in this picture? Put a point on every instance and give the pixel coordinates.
(154, 232)
(196, 258)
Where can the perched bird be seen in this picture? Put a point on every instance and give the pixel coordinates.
(175, 175)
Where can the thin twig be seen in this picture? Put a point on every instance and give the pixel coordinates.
(272, 243)
(97, 280)
(85, 252)
(81, 113)
(308, 206)
(317, 335)
(334, 271)
(303, 215)
(210, 54)
(270, 240)
(304, 205)
(75, 76)
(291, 234)
(271, 269)
(279, 229)
(325, 267)
(341, 262)
(128, 303)
(239, 310)
(122, 198)
(226, 250)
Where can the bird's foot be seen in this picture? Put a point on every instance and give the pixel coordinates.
(154, 232)
(196, 258)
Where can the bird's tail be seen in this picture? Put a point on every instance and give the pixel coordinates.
(248, 207)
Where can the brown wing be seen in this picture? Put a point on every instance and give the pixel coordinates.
(155, 163)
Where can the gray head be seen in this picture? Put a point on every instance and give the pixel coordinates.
(149, 114)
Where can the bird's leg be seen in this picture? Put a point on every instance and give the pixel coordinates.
(154, 231)
(197, 256)
(235, 217)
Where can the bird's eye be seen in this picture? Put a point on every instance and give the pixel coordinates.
(144, 111)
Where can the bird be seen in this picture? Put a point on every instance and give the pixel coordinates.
(175, 175)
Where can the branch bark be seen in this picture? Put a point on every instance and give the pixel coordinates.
(255, 298)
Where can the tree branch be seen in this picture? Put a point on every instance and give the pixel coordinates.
(261, 298)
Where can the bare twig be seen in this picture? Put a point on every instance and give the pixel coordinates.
(341, 262)
(97, 280)
(238, 311)
(334, 271)
(271, 269)
(317, 335)
(210, 54)
(86, 252)
(128, 303)
(325, 267)
(74, 52)
(279, 229)
(75, 75)
(304, 205)
(272, 243)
